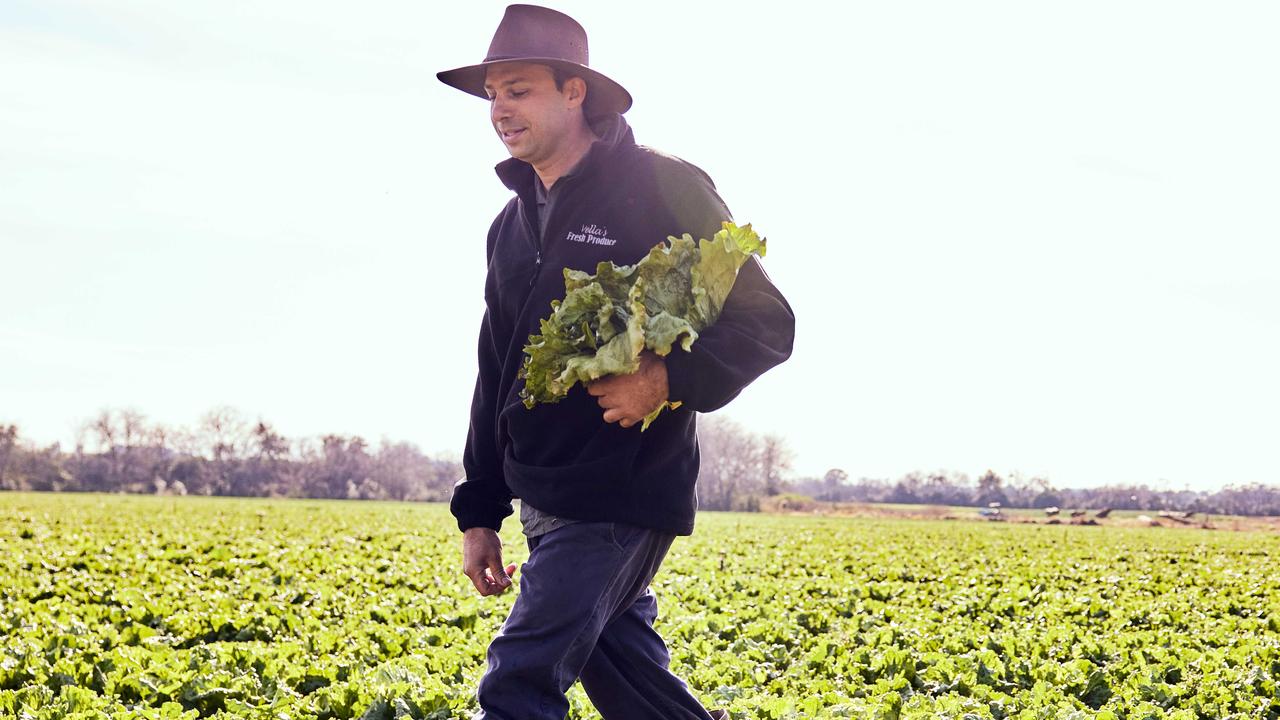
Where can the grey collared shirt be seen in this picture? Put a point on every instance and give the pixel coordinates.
(547, 198)
(536, 522)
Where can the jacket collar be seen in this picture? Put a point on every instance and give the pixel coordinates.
(614, 133)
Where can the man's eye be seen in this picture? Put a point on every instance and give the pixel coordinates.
(519, 93)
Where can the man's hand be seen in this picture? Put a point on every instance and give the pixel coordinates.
(626, 399)
(482, 561)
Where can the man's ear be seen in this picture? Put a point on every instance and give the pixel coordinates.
(575, 89)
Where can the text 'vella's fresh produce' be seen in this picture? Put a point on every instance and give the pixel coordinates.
(607, 319)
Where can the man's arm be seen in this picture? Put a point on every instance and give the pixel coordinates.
(755, 331)
(482, 499)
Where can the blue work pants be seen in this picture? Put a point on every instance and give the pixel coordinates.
(585, 612)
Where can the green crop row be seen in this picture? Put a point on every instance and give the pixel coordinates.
(144, 607)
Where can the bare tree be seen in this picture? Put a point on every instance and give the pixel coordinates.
(224, 434)
(136, 460)
(340, 467)
(833, 483)
(446, 471)
(225, 438)
(909, 488)
(104, 431)
(8, 440)
(402, 471)
(990, 489)
(775, 460)
(730, 475)
(254, 458)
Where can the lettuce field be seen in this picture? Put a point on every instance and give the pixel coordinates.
(147, 607)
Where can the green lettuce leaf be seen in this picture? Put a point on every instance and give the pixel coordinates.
(606, 320)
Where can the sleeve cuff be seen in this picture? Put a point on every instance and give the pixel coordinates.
(473, 509)
(466, 523)
(681, 380)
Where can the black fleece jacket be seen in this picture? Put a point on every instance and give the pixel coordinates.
(563, 458)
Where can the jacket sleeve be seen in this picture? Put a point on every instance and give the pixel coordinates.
(756, 327)
(754, 332)
(482, 498)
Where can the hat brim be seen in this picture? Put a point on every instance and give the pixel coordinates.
(604, 96)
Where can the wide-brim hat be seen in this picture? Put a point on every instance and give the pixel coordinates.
(529, 33)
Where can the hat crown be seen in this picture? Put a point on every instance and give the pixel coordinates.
(531, 31)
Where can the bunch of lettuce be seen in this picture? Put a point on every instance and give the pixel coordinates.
(607, 319)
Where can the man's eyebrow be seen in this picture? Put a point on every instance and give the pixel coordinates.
(512, 81)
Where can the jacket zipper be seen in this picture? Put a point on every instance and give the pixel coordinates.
(537, 247)
(528, 295)
(537, 241)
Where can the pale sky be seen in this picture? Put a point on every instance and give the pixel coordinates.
(1020, 236)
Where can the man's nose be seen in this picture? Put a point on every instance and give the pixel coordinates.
(499, 109)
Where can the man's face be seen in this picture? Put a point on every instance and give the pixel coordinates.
(532, 118)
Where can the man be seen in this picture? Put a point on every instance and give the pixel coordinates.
(601, 502)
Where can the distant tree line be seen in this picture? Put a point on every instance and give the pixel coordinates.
(224, 454)
(1017, 491)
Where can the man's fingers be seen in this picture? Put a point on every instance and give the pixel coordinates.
(620, 416)
(500, 577)
(485, 583)
(488, 582)
(479, 579)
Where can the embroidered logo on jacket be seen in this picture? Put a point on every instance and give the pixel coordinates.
(592, 234)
